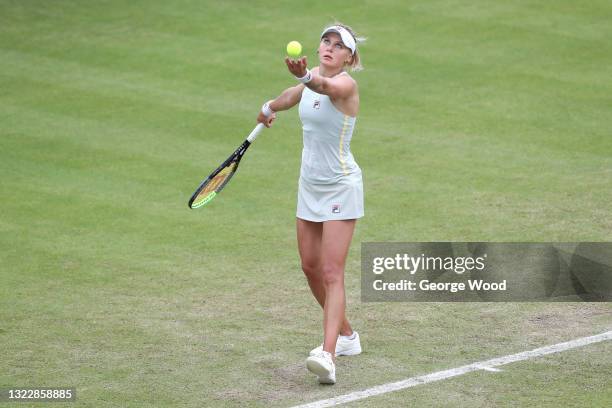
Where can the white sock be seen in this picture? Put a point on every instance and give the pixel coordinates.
(351, 337)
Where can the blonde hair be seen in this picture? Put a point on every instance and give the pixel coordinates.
(355, 63)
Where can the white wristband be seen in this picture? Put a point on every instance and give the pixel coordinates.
(306, 78)
(265, 109)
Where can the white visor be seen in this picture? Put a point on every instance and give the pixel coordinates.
(347, 38)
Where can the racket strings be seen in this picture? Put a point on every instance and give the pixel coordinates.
(216, 181)
(214, 185)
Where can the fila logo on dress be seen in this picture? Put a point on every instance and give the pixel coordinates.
(316, 104)
(336, 209)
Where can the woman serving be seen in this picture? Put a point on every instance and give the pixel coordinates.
(330, 191)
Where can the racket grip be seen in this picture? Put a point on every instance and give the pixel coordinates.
(255, 132)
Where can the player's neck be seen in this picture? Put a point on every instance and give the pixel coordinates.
(329, 73)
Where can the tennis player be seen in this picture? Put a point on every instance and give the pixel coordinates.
(330, 191)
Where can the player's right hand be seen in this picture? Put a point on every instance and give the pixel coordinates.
(266, 120)
(297, 66)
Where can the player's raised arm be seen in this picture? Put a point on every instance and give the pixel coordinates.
(338, 87)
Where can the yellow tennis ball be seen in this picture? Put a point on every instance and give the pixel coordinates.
(294, 49)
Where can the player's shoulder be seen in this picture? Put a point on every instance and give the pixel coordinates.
(345, 76)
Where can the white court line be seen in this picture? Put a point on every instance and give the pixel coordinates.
(454, 372)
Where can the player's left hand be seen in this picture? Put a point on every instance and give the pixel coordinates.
(296, 66)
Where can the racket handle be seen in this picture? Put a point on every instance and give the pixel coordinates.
(255, 132)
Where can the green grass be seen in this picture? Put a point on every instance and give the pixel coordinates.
(478, 121)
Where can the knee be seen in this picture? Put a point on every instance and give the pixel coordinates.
(332, 275)
(310, 270)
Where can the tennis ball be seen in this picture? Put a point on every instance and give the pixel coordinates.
(294, 49)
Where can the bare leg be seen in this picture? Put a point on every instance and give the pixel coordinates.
(309, 236)
(335, 244)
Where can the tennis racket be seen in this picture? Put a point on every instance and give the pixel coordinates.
(219, 178)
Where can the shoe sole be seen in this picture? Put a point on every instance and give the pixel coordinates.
(320, 370)
(350, 352)
(326, 381)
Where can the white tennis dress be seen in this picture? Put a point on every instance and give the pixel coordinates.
(330, 185)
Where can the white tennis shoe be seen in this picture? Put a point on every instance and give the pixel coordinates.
(323, 366)
(344, 346)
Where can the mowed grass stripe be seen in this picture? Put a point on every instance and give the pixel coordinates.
(128, 87)
(106, 160)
